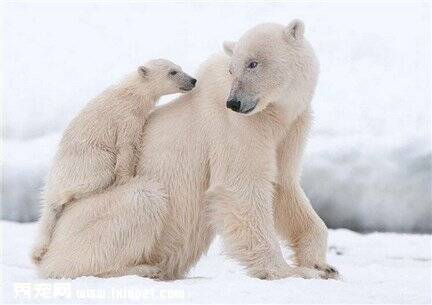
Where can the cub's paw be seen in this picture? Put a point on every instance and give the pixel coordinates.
(330, 271)
(38, 253)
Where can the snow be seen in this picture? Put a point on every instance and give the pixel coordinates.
(368, 164)
(25, 165)
(378, 268)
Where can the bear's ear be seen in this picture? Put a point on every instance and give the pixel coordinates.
(142, 71)
(295, 29)
(228, 47)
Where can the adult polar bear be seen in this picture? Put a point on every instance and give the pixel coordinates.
(206, 169)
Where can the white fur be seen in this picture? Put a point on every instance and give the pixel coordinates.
(206, 169)
(100, 147)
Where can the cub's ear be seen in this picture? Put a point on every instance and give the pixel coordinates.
(143, 71)
(228, 47)
(295, 29)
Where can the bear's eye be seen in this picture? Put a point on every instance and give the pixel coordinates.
(173, 72)
(230, 72)
(252, 65)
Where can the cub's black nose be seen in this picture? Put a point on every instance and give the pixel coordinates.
(193, 81)
(234, 105)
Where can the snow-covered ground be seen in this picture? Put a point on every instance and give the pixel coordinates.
(368, 164)
(380, 268)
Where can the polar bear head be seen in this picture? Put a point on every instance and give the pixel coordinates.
(165, 77)
(271, 63)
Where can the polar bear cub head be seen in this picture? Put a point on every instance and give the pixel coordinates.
(271, 63)
(165, 77)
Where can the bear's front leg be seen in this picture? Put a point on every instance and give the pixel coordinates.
(295, 219)
(246, 226)
(303, 229)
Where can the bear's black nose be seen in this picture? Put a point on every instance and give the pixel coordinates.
(193, 81)
(234, 104)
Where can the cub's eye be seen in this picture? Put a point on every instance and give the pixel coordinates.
(173, 72)
(230, 72)
(252, 65)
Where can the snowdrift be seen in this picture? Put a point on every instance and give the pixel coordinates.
(380, 268)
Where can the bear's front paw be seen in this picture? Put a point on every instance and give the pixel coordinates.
(330, 271)
(301, 272)
(307, 273)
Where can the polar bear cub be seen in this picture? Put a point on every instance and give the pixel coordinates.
(100, 147)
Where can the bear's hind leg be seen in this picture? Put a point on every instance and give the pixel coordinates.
(47, 222)
(107, 232)
(144, 270)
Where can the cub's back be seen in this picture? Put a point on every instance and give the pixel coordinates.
(94, 125)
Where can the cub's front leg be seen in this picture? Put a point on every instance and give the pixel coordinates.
(247, 228)
(125, 167)
(129, 135)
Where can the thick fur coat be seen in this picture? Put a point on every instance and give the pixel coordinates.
(205, 169)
